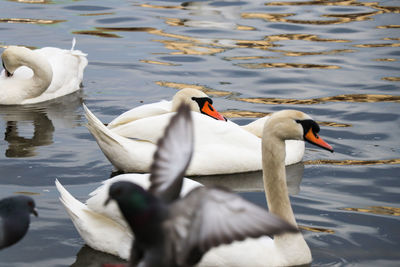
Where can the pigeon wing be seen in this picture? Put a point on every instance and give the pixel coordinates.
(173, 156)
(215, 216)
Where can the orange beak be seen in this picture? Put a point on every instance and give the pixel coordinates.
(316, 140)
(209, 110)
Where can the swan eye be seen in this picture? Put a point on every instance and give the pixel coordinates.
(309, 124)
(201, 101)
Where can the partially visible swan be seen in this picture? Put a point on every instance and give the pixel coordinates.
(221, 146)
(103, 228)
(33, 76)
(285, 249)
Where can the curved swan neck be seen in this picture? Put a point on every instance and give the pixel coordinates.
(42, 71)
(273, 157)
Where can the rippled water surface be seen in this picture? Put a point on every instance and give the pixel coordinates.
(337, 60)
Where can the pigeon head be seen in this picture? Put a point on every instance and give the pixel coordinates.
(15, 219)
(136, 204)
(18, 205)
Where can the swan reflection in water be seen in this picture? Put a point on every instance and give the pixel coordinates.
(18, 120)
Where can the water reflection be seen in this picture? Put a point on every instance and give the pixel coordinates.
(88, 257)
(30, 21)
(19, 146)
(353, 98)
(379, 210)
(352, 162)
(33, 1)
(205, 89)
(253, 181)
(22, 140)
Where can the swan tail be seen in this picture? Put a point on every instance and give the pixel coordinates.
(116, 148)
(73, 206)
(98, 231)
(100, 132)
(77, 52)
(73, 44)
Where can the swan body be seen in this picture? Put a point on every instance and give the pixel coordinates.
(221, 147)
(33, 76)
(104, 229)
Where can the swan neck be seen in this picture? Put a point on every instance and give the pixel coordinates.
(273, 156)
(42, 71)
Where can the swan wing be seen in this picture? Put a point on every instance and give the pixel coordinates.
(67, 69)
(143, 111)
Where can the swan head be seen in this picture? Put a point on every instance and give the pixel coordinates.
(295, 125)
(197, 101)
(11, 58)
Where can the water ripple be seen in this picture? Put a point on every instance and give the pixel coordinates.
(353, 98)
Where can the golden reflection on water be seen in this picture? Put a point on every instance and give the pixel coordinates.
(374, 5)
(337, 18)
(380, 210)
(33, 1)
(97, 14)
(245, 28)
(388, 27)
(205, 89)
(185, 44)
(333, 124)
(243, 114)
(392, 38)
(160, 7)
(286, 65)
(248, 58)
(316, 229)
(298, 54)
(340, 18)
(391, 79)
(352, 162)
(175, 22)
(98, 33)
(386, 59)
(158, 62)
(30, 21)
(353, 98)
(377, 45)
(27, 193)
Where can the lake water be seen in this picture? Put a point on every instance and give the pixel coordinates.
(336, 60)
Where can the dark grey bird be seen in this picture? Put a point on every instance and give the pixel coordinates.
(15, 218)
(173, 231)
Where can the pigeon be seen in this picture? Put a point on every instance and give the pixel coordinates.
(15, 218)
(173, 231)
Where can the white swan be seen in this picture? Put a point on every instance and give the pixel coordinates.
(221, 147)
(286, 249)
(104, 229)
(33, 76)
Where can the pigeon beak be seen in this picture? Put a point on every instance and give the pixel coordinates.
(34, 212)
(107, 201)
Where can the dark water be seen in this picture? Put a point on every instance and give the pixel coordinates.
(335, 60)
